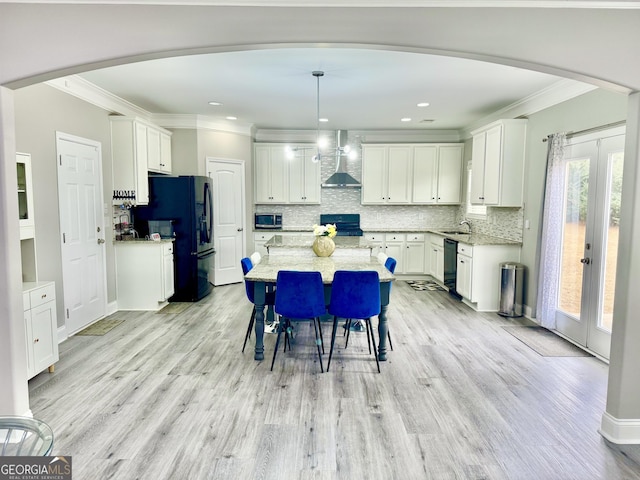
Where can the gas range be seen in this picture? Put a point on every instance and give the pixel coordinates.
(347, 224)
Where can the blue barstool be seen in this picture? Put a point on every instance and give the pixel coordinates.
(247, 265)
(355, 295)
(299, 295)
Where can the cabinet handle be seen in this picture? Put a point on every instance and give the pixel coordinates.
(36, 340)
(44, 295)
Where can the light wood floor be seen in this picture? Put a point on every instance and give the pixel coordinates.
(172, 397)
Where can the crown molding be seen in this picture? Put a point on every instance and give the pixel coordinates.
(588, 4)
(91, 93)
(200, 122)
(559, 92)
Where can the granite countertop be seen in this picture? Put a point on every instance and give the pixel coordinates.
(305, 241)
(460, 236)
(138, 241)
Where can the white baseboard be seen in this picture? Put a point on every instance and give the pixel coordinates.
(112, 308)
(621, 431)
(62, 334)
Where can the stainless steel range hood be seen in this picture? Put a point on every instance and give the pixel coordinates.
(341, 179)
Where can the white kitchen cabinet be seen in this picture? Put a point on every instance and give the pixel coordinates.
(158, 150)
(259, 239)
(130, 161)
(304, 178)
(144, 274)
(378, 240)
(436, 261)
(386, 174)
(437, 174)
(415, 254)
(478, 273)
(41, 326)
(497, 166)
(463, 275)
(271, 174)
(394, 246)
(25, 196)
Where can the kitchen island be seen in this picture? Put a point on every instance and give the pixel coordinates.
(300, 245)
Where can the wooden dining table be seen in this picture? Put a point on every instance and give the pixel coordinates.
(265, 274)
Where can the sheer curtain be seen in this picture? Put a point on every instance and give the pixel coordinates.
(551, 242)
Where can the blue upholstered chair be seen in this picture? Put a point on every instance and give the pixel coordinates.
(247, 265)
(299, 295)
(355, 295)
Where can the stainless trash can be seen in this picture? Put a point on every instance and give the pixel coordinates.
(511, 289)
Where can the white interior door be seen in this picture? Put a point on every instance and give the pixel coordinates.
(82, 229)
(228, 219)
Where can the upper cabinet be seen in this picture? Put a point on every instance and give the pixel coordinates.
(437, 174)
(25, 196)
(497, 166)
(278, 179)
(304, 178)
(159, 150)
(386, 173)
(138, 147)
(271, 175)
(409, 174)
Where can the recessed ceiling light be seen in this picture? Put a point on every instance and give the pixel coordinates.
(232, 118)
(323, 120)
(215, 104)
(423, 104)
(405, 119)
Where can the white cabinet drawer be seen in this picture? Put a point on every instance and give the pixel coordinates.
(374, 237)
(262, 236)
(167, 248)
(437, 240)
(394, 237)
(415, 237)
(42, 295)
(464, 249)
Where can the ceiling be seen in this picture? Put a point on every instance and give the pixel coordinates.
(362, 89)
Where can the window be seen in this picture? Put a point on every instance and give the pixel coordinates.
(474, 211)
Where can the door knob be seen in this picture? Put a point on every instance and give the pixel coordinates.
(100, 241)
(586, 261)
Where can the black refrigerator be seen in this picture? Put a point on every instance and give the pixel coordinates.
(187, 203)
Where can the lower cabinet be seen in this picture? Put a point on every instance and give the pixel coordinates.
(259, 240)
(144, 274)
(436, 257)
(478, 273)
(408, 249)
(41, 326)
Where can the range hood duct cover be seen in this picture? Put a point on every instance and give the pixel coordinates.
(341, 179)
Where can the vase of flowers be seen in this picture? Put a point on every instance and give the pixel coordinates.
(323, 245)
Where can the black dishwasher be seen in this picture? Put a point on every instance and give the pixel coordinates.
(451, 266)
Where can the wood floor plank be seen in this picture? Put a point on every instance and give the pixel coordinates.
(171, 396)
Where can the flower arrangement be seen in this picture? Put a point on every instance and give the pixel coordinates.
(328, 230)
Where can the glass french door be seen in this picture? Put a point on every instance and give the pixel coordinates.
(591, 213)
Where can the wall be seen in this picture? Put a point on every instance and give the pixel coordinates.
(184, 151)
(40, 111)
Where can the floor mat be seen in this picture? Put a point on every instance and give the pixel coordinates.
(424, 285)
(100, 327)
(175, 307)
(545, 342)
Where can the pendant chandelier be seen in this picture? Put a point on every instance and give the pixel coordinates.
(321, 142)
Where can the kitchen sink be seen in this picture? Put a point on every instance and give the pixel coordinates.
(453, 232)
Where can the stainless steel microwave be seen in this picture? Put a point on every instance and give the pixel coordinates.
(268, 221)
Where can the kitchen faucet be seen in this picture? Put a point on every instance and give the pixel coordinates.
(466, 222)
